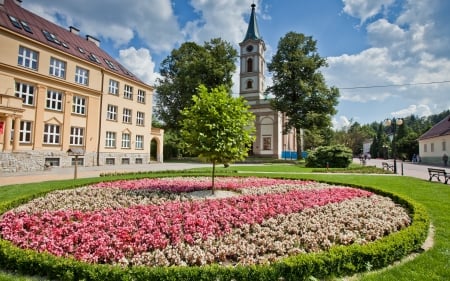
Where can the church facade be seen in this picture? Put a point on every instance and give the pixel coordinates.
(270, 139)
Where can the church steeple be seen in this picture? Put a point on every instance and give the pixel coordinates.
(252, 31)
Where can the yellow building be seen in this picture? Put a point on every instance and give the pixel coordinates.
(61, 91)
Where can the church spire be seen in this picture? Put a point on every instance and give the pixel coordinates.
(252, 31)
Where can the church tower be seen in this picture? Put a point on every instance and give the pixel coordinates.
(268, 123)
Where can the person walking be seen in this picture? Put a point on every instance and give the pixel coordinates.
(445, 159)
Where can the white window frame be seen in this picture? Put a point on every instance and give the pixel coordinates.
(57, 68)
(28, 58)
(126, 140)
(79, 105)
(127, 115)
(76, 136)
(110, 140)
(52, 134)
(139, 144)
(54, 100)
(26, 92)
(141, 96)
(128, 92)
(113, 87)
(81, 76)
(140, 117)
(25, 131)
(111, 112)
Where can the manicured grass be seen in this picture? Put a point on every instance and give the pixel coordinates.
(435, 197)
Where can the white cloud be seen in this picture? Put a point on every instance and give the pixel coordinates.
(140, 63)
(340, 123)
(364, 9)
(413, 109)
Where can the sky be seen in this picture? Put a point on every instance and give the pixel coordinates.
(389, 58)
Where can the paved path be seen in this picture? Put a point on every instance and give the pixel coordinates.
(409, 169)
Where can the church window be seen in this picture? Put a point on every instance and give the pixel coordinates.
(249, 84)
(250, 65)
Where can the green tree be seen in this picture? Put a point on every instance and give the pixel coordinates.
(217, 127)
(299, 89)
(184, 70)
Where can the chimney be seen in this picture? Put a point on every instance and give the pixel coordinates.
(74, 30)
(93, 39)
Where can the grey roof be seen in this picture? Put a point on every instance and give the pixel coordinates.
(252, 31)
(440, 129)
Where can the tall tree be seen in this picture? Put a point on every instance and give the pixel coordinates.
(299, 88)
(217, 127)
(185, 69)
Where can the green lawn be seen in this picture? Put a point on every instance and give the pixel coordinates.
(430, 265)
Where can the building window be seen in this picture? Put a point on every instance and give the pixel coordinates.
(57, 68)
(110, 139)
(52, 162)
(250, 65)
(249, 84)
(140, 118)
(79, 105)
(125, 161)
(28, 58)
(126, 118)
(25, 132)
(138, 161)
(26, 92)
(126, 140)
(113, 87)
(141, 96)
(444, 146)
(54, 100)
(425, 148)
(432, 147)
(110, 161)
(76, 136)
(128, 92)
(111, 113)
(139, 142)
(81, 76)
(78, 160)
(267, 143)
(51, 134)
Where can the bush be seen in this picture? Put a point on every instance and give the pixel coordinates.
(336, 156)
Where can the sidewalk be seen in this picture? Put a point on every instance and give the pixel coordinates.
(408, 168)
(58, 173)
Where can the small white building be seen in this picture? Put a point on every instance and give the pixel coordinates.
(434, 143)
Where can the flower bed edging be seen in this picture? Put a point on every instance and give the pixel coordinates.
(337, 261)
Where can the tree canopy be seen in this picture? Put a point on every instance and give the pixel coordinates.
(185, 69)
(217, 127)
(299, 89)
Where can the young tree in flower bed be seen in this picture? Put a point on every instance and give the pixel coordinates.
(256, 227)
(217, 127)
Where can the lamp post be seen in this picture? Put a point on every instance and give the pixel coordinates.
(393, 123)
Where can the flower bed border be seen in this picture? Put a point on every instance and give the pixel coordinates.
(338, 261)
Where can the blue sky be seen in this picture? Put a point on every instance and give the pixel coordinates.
(369, 45)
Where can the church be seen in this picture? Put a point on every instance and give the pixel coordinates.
(270, 141)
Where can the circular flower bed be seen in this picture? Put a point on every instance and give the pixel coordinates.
(176, 221)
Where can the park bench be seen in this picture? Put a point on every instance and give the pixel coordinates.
(438, 173)
(387, 166)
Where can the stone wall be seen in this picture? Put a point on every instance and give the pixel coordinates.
(33, 161)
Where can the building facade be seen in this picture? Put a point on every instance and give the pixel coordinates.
(434, 143)
(60, 92)
(270, 139)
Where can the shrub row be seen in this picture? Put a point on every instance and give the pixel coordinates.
(338, 261)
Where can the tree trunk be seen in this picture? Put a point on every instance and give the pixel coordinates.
(213, 174)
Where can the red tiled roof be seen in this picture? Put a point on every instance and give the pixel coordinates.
(440, 129)
(71, 40)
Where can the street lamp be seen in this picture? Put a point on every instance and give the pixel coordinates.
(393, 123)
